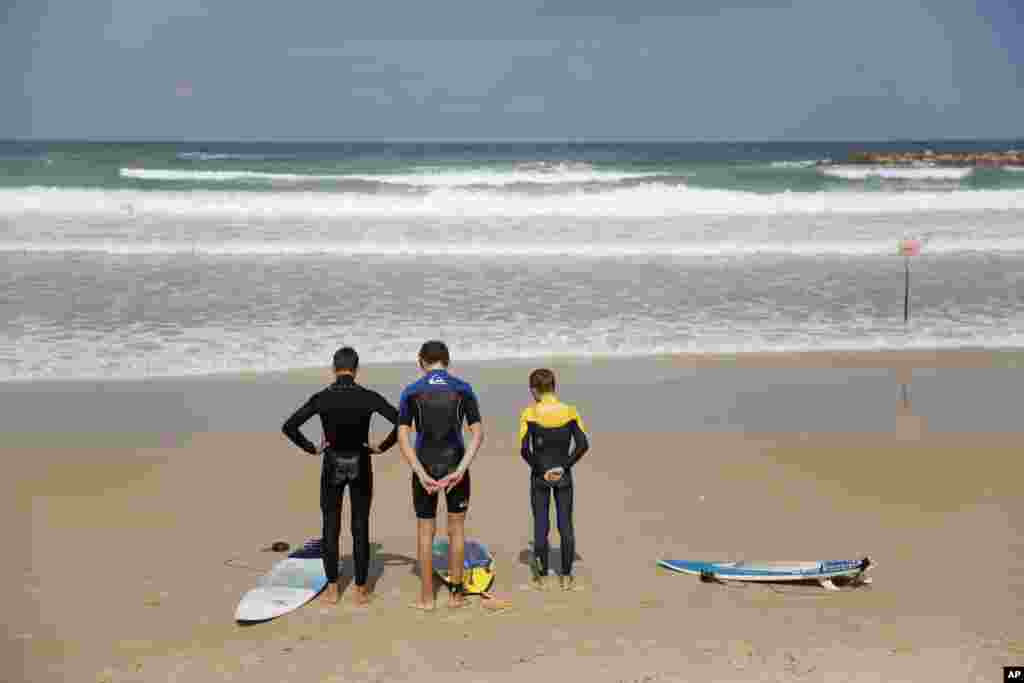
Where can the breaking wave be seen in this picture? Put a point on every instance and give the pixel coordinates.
(526, 173)
(491, 249)
(890, 173)
(640, 201)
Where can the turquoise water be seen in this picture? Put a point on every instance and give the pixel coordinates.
(388, 167)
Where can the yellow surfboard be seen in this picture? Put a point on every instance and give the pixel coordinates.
(478, 566)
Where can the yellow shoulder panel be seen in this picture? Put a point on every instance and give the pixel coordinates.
(525, 418)
(553, 414)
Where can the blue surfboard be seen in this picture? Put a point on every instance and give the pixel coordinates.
(822, 571)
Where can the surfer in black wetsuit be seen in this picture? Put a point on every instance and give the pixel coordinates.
(437, 404)
(547, 430)
(345, 409)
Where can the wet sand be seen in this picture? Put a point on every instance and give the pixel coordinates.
(125, 501)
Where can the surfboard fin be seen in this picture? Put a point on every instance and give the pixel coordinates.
(709, 577)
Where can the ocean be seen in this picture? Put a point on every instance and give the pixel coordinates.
(136, 260)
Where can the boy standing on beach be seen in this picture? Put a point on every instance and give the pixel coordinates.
(547, 429)
(437, 404)
(345, 410)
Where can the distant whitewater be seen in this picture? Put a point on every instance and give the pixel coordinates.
(144, 260)
(578, 174)
(896, 172)
(641, 201)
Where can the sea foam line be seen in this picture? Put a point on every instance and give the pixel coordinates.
(87, 365)
(642, 201)
(491, 249)
(888, 173)
(426, 180)
(221, 176)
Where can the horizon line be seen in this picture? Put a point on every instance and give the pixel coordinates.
(504, 141)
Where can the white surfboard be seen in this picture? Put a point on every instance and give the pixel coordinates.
(290, 584)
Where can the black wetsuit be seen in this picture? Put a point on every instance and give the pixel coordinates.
(345, 409)
(552, 435)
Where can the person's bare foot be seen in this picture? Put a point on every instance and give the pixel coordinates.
(361, 596)
(538, 575)
(457, 600)
(331, 595)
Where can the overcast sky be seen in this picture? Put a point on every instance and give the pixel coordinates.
(512, 69)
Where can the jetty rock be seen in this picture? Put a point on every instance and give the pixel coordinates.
(928, 157)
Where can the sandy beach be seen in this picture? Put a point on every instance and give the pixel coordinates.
(135, 514)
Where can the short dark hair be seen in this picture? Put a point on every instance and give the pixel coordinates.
(434, 351)
(542, 381)
(346, 358)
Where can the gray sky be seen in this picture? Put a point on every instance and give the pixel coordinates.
(526, 69)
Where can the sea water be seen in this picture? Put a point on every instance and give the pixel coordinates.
(135, 260)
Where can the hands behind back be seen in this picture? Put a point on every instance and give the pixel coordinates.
(451, 481)
(554, 474)
(429, 484)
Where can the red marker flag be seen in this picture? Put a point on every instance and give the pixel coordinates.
(910, 247)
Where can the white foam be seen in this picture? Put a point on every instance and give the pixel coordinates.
(503, 179)
(470, 178)
(643, 201)
(896, 173)
(1015, 169)
(498, 249)
(221, 176)
(207, 351)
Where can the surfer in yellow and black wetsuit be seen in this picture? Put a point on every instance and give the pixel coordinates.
(552, 440)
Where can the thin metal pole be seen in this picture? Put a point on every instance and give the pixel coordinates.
(906, 293)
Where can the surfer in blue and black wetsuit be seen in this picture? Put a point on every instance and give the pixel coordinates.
(437, 404)
(552, 440)
(345, 409)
